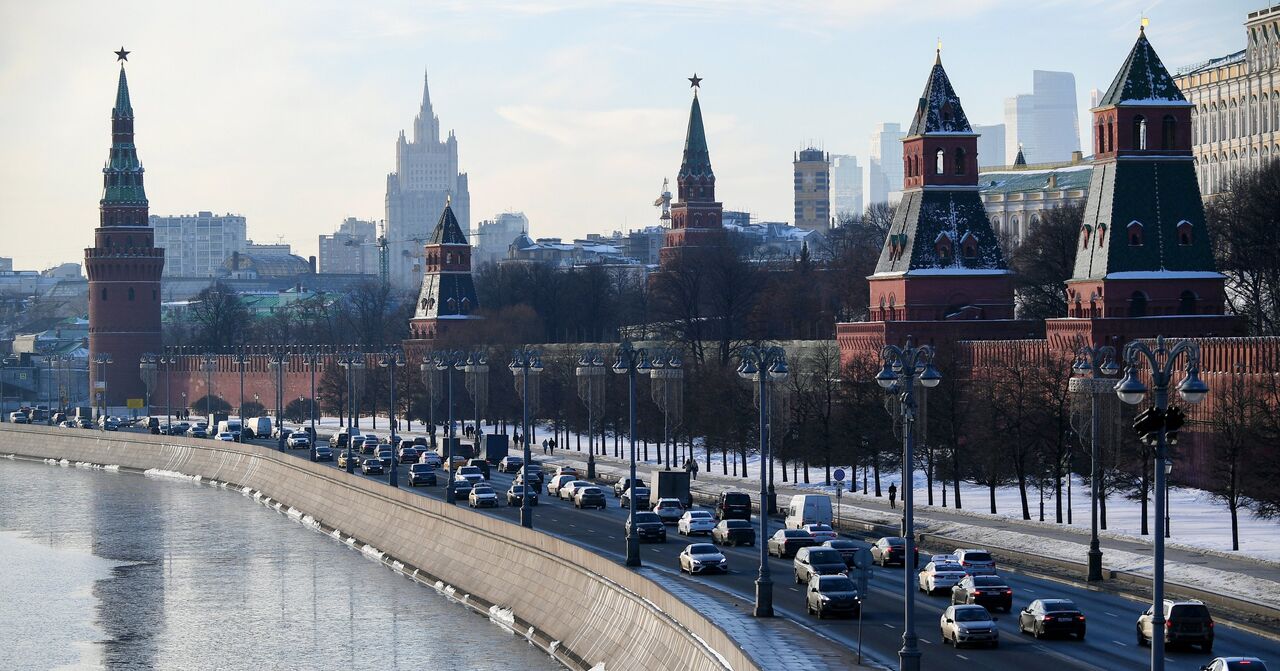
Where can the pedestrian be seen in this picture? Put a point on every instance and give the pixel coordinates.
(544, 445)
(893, 494)
(552, 444)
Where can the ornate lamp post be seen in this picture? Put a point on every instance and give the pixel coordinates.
(392, 360)
(591, 374)
(278, 362)
(667, 373)
(526, 362)
(353, 362)
(431, 384)
(147, 371)
(241, 360)
(102, 360)
(210, 362)
(312, 361)
(1131, 390)
(1097, 363)
(448, 361)
(167, 360)
(763, 366)
(629, 362)
(476, 376)
(902, 367)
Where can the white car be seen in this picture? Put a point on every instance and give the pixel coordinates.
(670, 510)
(976, 562)
(482, 496)
(472, 474)
(939, 575)
(702, 557)
(821, 532)
(226, 437)
(430, 458)
(298, 439)
(557, 481)
(696, 522)
(567, 490)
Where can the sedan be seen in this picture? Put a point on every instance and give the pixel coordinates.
(785, 542)
(848, 550)
(985, 590)
(298, 440)
(1044, 617)
(482, 496)
(889, 550)
(510, 464)
(734, 532)
(702, 557)
(832, 595)
(371, 466)
(471, 474)
(641, 495)
(966, 625)
(695, 522)
(515, 495)
(670, 510)
(977, 562)
(821, 532)
(569, 489)
(461, 487)
(534, 471)
(589, 497)
(323, 453)
(624, 484)
(554, 484)
(1235, 664)
(386, 455)
(939, 575)
(225, 436)
(648, 527)
(422, 474)
(813, 560)
(430, 458)
(342, 459)
(408, 453)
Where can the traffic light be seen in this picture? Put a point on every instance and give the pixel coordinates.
(1148, 424)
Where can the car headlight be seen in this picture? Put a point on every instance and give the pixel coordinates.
(824, 598)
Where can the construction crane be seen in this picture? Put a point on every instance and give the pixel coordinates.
(664, 201)
(384, 262)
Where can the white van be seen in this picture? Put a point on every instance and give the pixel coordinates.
(808, 509)
(257, 427)
(231, 426)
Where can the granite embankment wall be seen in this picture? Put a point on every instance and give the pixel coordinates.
(595, 609)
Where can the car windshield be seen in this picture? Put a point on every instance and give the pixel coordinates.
(736, 499)
(703, 549)
(517, 489)
(835, 583)
(590, 490)
(942, 567)
(515, 460)
(1189, 610)
(978, 614)
(817, 527)
(469, 470)
(842, 545)
(977, 556)
(482, 490)
(736, 524)
(796, 533)
(997, 581)
(578, 483)
(1058, 606)
(647, 517)
(667, 505)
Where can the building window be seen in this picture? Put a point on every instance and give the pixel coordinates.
(104, 293)
(1184, 233)
(1139, 132)
(1111, 135)
(1102, 234)
(1135, 234)
(939, 157)
(960, 161)
(1187, 303)
(1138, 304)
(1168, 128)
(1084, 237)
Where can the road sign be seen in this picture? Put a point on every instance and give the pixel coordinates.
(839, 475)
(134, 403)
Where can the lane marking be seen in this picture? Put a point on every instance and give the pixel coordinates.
(1109, 614)
(962, 657)
(888, 625)
(1120, 644)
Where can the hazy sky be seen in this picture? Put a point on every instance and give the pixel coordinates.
(572, 111)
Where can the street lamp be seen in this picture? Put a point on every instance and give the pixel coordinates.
(1131, 390)
(353, 362)
(667, 373)
(591, 375)
(147, 371)
(167, 360)
(526, 362)
(102, 359)
(312, 361)
(241, 360)
(903, 366)
(448, 361)
(1098, 362)
(631, 361)
(392, 360)
(476, 376)
(279, 362)
(763, 366)
(210, 361)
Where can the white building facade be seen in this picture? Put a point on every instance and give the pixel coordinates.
(846, 185)
(197, 245)
(884, 165)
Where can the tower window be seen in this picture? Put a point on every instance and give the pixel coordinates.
(1084, 237)
(1135, 234)
(939, 157)
(131, 293)
(1184, 233)
(1111, 136)
(1187, 303)
(1140, 132)
(1168, 129)
(959, 159)
(104, 293)
(1138, 304)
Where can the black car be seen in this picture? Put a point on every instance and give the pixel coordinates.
(734, 532)
(323, 453)
(733, 506)
(832, 595)
(515, 495)
(482, 465)
(785, 542)
(461, 488)
(991, 591)
(422, 474)
(371, 465)
(589, 497)
(1045, 617)
(848, 550)
(891, 550)
(648, 527)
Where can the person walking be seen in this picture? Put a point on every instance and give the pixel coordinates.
(893, 494)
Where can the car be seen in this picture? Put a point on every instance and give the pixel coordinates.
(282, 432)
(19, 417)
(422, 474)
(86, 423)
(567, 491)
(408, 452)
(197, 432)
(832, 595)
(821, 532)
(816, 560)
(534, 473)
(670, 510)
(848, 550)
(225, 436)
(298, 439)
(516, 494)
(566, 470)
(937, 576)
(472, 474)
(648, 527)
(695, 522)
(733, 506)
(1185, 622)
(481, 464)
(482, 496)
(430, 458)
(624, 484)
(68, 424)
(976, 562)
(371, 466)
(702, 557)
(589, 497)
(461, 487)
(386, 455)
(510, 464)
(455, 462)
(733, 532)
(784, 543)
(991, 591)
(343, 437)
(372, 441)
(641, 495)
(890, 550)
(558, 481)
(1235, 664)
(342, 459)
(968, 625)
(949, 558)
(1044, 617)
(323, 453)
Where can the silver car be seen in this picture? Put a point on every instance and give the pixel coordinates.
(702, 557)
(968, 625)
(670, 510)
(937, 576)
(976, 562)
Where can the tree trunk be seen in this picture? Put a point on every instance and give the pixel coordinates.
(806, 470)
(991, 491)
(1022, 494)
(724, 460)
(1145, 486)
(875, 469)
(1057, 486)
(1235, 525)
(955, 476)
(928, 473)
(744, 462)
(783, 463)
(1102, 506)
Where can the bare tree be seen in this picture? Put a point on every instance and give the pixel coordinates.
(1045, 261)
(1245, 236)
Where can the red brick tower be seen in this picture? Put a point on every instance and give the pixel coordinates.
(123, 267)
(1144, 265)
(448, 295)
(696, 217)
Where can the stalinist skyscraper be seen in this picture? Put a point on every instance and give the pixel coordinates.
(426, 176)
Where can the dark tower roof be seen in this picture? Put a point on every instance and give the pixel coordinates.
(697, 160)
(1021, 159)
(448, 232)
(123, 107)
(1142, 79)
(124, 200)
(939, 110)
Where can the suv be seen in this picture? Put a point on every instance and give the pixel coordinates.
(813, 560)
(976, 562)
(733, 506)
(482, 465)
(1185, 622)
(623, 484)
(648, 527)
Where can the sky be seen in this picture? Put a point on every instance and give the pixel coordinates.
(572, 111)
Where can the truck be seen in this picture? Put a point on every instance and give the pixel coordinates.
(495, 447)
(671, 485)
(459, 450)
(214, 418)
(257, 427)
(82, 412)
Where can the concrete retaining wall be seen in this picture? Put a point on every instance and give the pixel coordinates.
(596, 609)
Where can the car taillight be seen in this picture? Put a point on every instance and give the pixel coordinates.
(1081, 618)
(1048, 618)
(977, 592)
(1211, 627)
(1168, 624)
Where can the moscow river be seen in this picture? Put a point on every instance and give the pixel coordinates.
(117, 570)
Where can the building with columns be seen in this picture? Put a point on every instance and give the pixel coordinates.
(124, 268)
